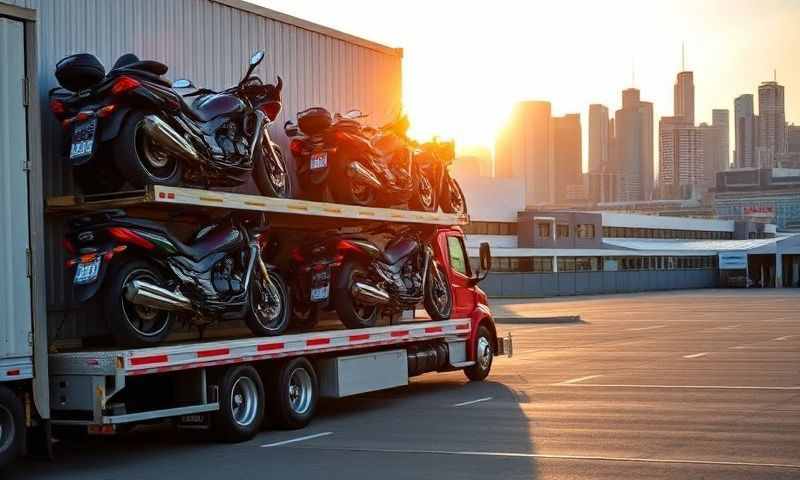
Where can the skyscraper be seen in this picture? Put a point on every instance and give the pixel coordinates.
(684, 96)
(712, 153)
(525, 150)
(720, 120)
(633, 136)
(567, 153)
(598, 138)
(745, 131)
(680, 147)
(771, 122)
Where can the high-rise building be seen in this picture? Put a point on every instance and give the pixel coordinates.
(712, 153)
(771, 123)
(681, 168)
(744, 131)
(567, 154)
(684, 96)
(598, 138)
(720, 120)
(632, 138)
(524, 149)
(793, 138)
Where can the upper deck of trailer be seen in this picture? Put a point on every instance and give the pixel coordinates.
(281, 211)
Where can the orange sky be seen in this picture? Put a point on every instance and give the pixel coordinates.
(467, 62)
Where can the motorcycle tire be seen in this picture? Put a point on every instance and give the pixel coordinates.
(134, 325)
(138, 158)
(351, 314)
(438, 296)
(347, 190)
(269, 180)
(454, 200)
(423, 198)
(305, 317)
(278, 320)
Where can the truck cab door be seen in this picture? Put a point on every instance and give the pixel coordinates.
(460, 275)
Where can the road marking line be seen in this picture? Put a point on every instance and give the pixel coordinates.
(780, 339)
(730, 327)
(640, 329)
(295, 440)
(700, 387)
(463, 404)
(576, 380)
(567, 457)
(696, 355)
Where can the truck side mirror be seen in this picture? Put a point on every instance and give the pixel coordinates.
(486, 263)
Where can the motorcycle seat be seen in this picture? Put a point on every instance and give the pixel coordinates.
(399, 249)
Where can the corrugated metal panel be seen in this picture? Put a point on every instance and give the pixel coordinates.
(15, 290)
(208, 42)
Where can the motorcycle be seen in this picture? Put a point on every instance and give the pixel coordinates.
(337, 159)
(434, 160)
(133, 125)
(371, 281)
(150, 278)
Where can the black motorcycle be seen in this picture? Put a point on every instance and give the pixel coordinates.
(131, 125)
(435, 185)
(149, 277)
(363, 282)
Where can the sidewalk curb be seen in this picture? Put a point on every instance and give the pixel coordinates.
(538, 320)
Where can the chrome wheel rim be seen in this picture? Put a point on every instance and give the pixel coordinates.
(268, 304)
(441, 295)
(425, 192)
(244, 401)
(300, 391)
(155, 161)
(145, 321)
(276, 171)
(6, 428)
(361, 193)
(484, 352)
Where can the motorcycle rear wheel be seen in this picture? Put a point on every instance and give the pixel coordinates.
(140, 160)
(270, 174)
(350, 191)
(351, 313)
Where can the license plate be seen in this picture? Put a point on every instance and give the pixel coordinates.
(320, 286)
(83, 139)
(319, 160)
(87, 272)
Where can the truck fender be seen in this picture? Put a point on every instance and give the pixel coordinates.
(481, 316)
(113, 125)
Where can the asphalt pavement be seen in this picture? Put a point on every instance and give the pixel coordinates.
(693, 384)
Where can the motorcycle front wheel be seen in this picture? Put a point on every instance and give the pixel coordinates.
(271, 175)
(454, 201)
(424, 197)
(140, 159)
(438, 300)
(269, 305)
(134, 325)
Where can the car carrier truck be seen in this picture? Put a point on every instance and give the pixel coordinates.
(228, 386)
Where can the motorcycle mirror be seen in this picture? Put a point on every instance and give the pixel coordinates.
(353, 114)
(183, 83)
(256, 58)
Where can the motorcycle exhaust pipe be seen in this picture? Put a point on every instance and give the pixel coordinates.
(168, 139)
(369, 295)
(360, 171)
(149, 295)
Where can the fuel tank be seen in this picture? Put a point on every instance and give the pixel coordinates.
(210, 107)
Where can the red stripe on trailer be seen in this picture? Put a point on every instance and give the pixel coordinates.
(170, 195)
(266, 347)
(433, 330)
(400, 333)
(161, 195)
(12, 373)
(213, 353)
(360, 337)
(318, 341)
(149, 360)
(463, 327)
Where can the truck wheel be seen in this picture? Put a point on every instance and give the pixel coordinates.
(130, 324)
(241, 405)
(295, 391)
(351, 313)
(12, 426)
(483, 356)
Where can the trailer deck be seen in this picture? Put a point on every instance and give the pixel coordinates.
(281, 211)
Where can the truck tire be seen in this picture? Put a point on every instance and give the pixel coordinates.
(133, 325)
(294, 393)
(484, 354)
(352, 314)
(12, 426)
(241, 405)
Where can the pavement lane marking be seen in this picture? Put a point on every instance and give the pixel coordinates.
(780, 339)
(472, 402)
(295, 440)
(698, 387)
(641, 329)
(564, 457)
(696, 355)
(579, 379)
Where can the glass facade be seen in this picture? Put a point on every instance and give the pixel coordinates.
(599, 264)
(630, 232)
